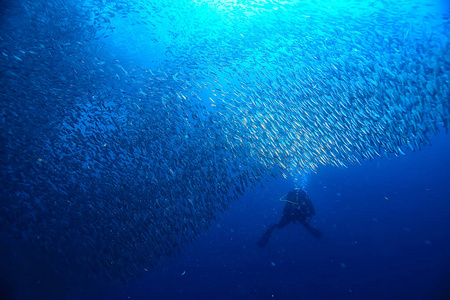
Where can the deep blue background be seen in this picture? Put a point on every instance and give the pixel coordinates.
(386, 232)
(386, 236)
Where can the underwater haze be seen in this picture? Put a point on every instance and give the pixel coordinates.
(146, 147)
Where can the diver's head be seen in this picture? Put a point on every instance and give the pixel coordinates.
(300, 192)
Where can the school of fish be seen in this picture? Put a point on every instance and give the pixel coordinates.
(127, 127)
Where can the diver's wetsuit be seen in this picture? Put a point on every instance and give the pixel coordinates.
(298, 208)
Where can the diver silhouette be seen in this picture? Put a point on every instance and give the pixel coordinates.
(298, 208)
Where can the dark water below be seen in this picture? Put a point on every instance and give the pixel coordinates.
(386, 236)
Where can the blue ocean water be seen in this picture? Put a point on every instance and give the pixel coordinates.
(386, 236)
(134, 135)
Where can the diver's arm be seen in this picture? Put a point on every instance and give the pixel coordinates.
(310, 205)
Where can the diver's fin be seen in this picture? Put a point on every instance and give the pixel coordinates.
(315, 232)
(262, 242)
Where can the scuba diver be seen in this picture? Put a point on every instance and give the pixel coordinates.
(298, 208)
